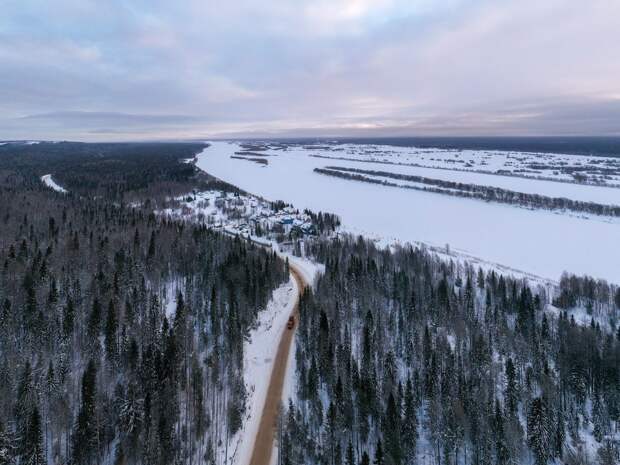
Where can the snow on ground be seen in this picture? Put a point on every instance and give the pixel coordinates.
(586, 193)
(169, 298)
(303, 189)
(261, 347)
(607, 318)
(558, 167)
(537, 242)
(49, 182)
(233, 213)
(288, 391)
(259, 353)
(308, 269)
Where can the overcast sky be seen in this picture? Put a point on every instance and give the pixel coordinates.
(155, 69)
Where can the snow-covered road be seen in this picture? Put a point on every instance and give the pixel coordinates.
(269, 369)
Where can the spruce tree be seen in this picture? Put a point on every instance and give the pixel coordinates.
(111, 326)
(511, 392)
(378, 460)
(538, 436)
(68, 319)
(501, 449)
(85, 438)
(32, 447)
(598, 418)
(350, 454)
(25, 399)
(391, 432)
(409, 434)
(94, 322)
(559, 437)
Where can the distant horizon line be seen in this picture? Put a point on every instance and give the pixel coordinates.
(306, 137)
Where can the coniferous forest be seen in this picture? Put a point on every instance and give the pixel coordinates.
(94, 367)
(404, 359)
(122, 334)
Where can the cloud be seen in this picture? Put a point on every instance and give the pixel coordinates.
(139, 68)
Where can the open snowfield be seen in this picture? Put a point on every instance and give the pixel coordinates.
(535, 241)
(559, 167)
(583, 192)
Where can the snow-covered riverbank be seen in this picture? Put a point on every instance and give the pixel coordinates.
(536, 241)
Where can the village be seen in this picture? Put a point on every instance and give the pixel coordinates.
(244, 215)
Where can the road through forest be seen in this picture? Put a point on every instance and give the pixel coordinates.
(263, 444)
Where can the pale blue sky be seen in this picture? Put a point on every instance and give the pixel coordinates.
(151, 69)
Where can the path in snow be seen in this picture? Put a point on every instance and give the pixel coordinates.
(263, 444)
(259, 354)
(269, 365)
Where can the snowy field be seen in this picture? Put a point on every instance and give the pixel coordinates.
(565, 168)
(539, 242)
(588, 193)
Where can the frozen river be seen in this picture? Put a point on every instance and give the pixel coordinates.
(540, 242)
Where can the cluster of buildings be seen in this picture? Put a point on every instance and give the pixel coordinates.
(242, 214)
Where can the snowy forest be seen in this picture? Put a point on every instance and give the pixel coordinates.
(100, 363)
(403, 358)
(122, 334)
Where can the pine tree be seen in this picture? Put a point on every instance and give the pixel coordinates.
(559, 437)
(538, 436)
(350, 454)
(85, 438)
(501, 449)
(409, 434)
(391, 432)
(598, 418)
(480, 279)
(151, 251)
(197, 383)
(378, 454)
(32, 447)
(94, 322)
(25, 399)
(236, 405)
(111, 326)
(511, 393)
(68, 319)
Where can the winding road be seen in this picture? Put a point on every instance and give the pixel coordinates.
(263, 443)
